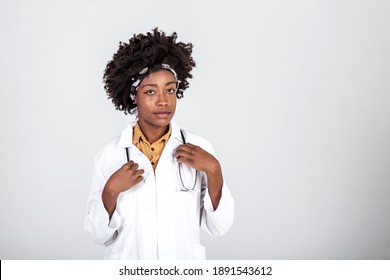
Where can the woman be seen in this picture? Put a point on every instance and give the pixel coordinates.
(156, 185)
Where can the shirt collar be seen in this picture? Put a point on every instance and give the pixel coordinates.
(138, 135)
(126, 138)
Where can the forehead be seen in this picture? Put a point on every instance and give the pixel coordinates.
(162, 75)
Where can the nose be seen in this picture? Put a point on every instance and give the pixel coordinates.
(162, 100)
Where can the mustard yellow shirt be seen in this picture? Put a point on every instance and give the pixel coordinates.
(151, 151)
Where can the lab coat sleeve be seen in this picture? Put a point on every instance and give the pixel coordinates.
(97, 223)
(216, 221)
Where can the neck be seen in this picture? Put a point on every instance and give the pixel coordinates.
(153, 133)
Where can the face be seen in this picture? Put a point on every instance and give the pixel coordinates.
(156, 100)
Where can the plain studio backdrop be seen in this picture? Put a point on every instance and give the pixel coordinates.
(294, 95)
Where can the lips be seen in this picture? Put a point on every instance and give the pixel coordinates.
(162, 114)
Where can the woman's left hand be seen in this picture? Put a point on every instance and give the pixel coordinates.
(197, 158)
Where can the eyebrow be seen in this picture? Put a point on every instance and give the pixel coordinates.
(155, 85)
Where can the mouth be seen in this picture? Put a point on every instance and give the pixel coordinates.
(162, 114)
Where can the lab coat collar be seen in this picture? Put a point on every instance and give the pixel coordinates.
(126, 139)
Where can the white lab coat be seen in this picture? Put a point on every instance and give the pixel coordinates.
(154, 219)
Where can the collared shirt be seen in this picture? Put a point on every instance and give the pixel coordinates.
(151, 151)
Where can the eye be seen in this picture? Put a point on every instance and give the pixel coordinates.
(171, 90)
(150, 92)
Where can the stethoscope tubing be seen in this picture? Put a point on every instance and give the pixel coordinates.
(184, 189)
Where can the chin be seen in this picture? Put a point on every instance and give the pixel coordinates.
(161, 122)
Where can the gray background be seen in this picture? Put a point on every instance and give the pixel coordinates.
(294, 96)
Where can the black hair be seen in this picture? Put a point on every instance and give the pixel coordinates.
(145, 50)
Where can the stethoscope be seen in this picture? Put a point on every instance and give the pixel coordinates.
(183, 187)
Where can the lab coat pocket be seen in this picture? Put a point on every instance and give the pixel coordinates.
(199, 252)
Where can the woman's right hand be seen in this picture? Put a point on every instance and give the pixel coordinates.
(124, 178)
(121, 180)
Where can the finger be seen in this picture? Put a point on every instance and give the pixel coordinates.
(185, 160)
(194, 149)
(134, 166)
(138, 173)
(182, 152)
(192, 146)
(129, 164)
(138, 179)
(188, 162)
(183, 155)
(184, 149)
(134, 173)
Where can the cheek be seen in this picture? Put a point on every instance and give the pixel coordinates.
(173, 100)
(143, 103)
(174, 103)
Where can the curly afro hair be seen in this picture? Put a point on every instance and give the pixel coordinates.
(150, 50)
